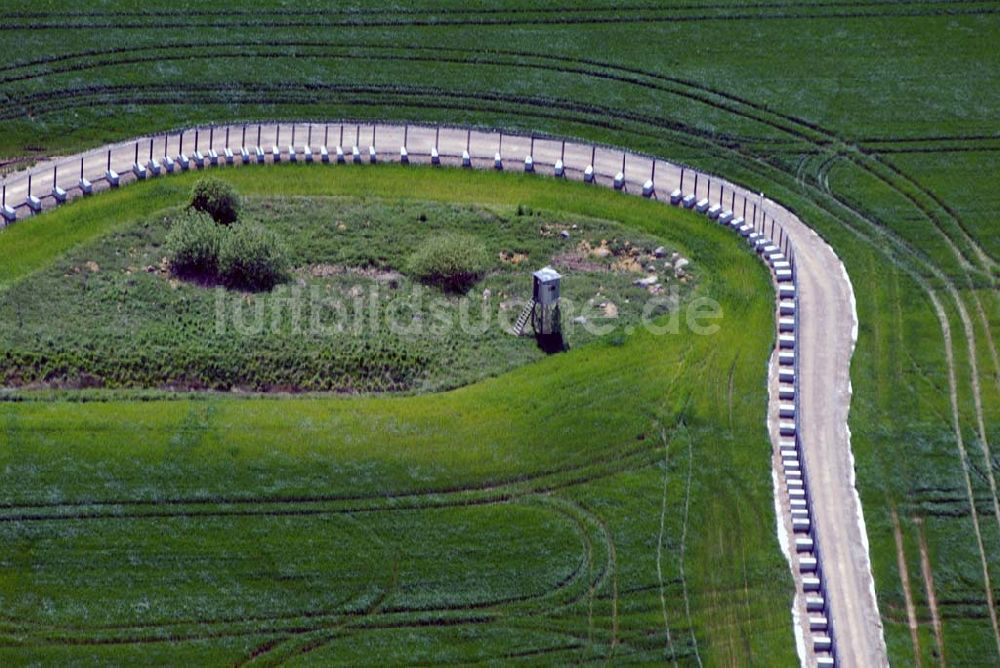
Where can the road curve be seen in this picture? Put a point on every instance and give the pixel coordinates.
(826, 322)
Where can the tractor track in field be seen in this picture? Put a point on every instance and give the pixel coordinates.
(599, 460)
(904, 577)
(796, 127)
(548, 9)
(567, 17)
(378, 614)
(928, 575)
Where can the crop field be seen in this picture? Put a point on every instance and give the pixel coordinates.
(542, 515)
(876, 121)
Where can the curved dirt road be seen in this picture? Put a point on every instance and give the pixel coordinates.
(825, 327)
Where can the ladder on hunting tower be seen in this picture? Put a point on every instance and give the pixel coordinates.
(522, 319)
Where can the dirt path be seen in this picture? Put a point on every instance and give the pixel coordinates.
(826, 327)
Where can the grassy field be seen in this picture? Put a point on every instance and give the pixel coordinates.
(350, 319)
(875, 121)
(543, 515)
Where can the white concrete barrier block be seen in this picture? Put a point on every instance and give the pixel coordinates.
(34, 204)
(198, 159)
(168, 164)
(435, 156)
(822, 643)
(786, 392)
(356, 155)
(139, 171)
(275, 154)
(808, 564)
(786, 428)
(153, 166)
(529, 164)
(815, 603)
(324, 154)
(702, 205)
(59, 195)
(714, 212)
(307, 153)
(676, 196)
(647, 188)
(9, 214)
(111, 176)
(804, 544)
(783, 275)
(372, 156)
(293, 155)
(228, 153)
(466, 159)
(810, 583)
(737, 223)
(559, 170)
(786, 410)
(818, 623)
(786, 358)
(404, 156)
(86, 187)
(786, 323)
(340, 155)
(588, 174)
(497, 162)
(725, 217)
(801, 525)
(213, 157)
(244, 155)
(786, 307)
(786, 375)
(619, 182)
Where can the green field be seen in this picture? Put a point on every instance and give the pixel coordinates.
(875, 121)
(544, 513)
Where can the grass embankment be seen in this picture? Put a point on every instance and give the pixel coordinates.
(610, 502)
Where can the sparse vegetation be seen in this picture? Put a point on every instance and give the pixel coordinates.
(133, 325)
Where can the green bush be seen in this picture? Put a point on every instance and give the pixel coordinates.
(217, 198)
(192, 245)
(252, 258)
(451, 261)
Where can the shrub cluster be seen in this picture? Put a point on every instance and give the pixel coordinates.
(451, 261)
(193, 245)
(252, 257)
(217, 198)
(240, 255)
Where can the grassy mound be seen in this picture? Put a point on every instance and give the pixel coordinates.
(114, 314)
